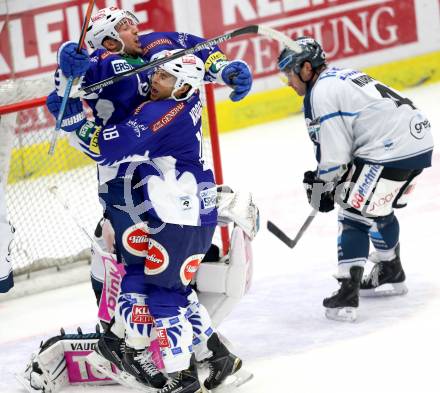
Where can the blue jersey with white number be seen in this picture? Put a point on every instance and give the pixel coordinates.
(162, 142)
(114, 103)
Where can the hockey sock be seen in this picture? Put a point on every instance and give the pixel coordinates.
(353, 243)
(137, 321)
(202, 327)
(384, 235)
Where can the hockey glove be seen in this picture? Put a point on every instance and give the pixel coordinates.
(71, 62)
(74, 116)
(321, 195)
(237, 75)
(239, 208)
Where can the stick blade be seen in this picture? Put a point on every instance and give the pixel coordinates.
(271, 227)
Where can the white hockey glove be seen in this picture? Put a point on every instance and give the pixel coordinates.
(61, 83)
(239, 208)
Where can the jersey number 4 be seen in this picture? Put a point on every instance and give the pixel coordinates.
(386, 92)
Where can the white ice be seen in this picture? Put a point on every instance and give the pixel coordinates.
(279, 328)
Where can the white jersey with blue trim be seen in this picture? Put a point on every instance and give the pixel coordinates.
(351, 115)
(6, 277)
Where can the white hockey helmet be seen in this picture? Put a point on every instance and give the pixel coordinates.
(103, 24)
(188, 69)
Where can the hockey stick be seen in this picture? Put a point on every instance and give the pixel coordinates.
(257, 29)
(54, 191)
(70, 80)
(286, 239)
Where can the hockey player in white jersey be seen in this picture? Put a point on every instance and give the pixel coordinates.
(6, 278)
(370, 144)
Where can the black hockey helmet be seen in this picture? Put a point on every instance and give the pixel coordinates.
(311, 52)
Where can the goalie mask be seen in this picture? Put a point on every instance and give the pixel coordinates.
(312, 52)
(104, 24)
(188, 70)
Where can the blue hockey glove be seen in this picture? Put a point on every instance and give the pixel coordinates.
(321, 195)
(238, 76)
(74, 116)
(71, 62)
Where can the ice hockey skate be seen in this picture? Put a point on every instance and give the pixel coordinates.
(107, 358)
(185, 381)
(343, 304)
(225, 372)
(140, 365)
(386, 278)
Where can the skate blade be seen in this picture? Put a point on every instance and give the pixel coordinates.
(397, 289)
(122, 377)
(343, 314)
(233, 382)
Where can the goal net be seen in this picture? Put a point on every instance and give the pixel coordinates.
(46, 234)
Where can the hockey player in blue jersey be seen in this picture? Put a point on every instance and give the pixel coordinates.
(111, 104)
(370, 143)
(164, 132)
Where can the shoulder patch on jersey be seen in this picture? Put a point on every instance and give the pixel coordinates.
(120, 66)
(160, 41)
(167, 117)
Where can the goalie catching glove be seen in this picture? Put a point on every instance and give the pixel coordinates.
(239, 208)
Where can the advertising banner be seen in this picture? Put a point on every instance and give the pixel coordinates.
(32, 30)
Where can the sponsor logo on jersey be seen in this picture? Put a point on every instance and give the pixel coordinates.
(418, 126)
(135, 239)
(382, 202)
(138, 128)
(106, 54)
(162, 337)
(157, 258)
(185, 203)
(196, 112)
(364, 185)
(209, 198)
(141, 314)
(189, 268)
(120, 66)
(94, 143)
(388, 144)
(167, 117)
(313, 128)
(85, 131)
(161, 41)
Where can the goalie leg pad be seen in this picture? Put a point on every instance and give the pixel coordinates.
(221, 285)
(61, 361)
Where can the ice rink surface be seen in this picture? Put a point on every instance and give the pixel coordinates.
(279, 328)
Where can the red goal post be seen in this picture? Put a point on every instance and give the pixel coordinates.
(46, 235)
